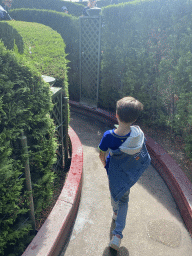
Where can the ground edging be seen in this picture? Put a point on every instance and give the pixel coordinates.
(177, 182)
(53, 234)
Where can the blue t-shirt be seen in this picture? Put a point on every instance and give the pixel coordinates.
(111, 141)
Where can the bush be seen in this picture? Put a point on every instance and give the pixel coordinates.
(24, 106)
(147, 54)
(41, 46)
(67, 26)
(75, 9)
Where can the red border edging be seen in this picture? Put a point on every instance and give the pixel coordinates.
(53, 234)
(177, 182)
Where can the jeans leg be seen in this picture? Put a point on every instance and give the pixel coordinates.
(115, 205)
(121, 207)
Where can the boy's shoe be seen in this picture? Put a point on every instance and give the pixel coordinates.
(114, 217)
(115, 243)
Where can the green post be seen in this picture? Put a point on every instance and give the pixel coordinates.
(28, 180)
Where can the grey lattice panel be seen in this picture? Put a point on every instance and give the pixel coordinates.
(57, 117)
(89, 59)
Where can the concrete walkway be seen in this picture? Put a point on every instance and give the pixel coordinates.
(154, 225)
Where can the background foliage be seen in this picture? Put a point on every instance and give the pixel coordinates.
(147, 53)
(75, 9)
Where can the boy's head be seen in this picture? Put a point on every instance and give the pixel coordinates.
(128, 109)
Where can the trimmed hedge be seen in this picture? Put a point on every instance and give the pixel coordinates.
(147, 53)
(25, 104)
(67, 26)
(75, 9)
(41, 46)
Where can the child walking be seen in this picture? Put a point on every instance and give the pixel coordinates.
(126, 161)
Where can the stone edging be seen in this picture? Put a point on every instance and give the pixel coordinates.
(54, 232)
(177, 182)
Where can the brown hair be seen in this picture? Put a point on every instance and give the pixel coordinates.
(128, 109)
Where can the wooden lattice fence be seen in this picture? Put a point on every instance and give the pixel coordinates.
(90, 30)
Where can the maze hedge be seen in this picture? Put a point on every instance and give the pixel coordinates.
(147, 53)
(42, 47)
(74, 8)
(67, 26)
(25, 106)
(25, 103)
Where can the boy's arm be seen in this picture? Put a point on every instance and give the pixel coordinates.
(102, 156)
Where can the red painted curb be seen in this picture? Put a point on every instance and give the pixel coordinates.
(53, 234)
(177, 182)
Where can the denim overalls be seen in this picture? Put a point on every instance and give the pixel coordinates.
(124, 171)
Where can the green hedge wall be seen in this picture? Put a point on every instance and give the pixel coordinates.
(25, 104)
(42, 47)
(11, 37)
(104, 3)
(146, 52)
(75, 9)
(68, 27)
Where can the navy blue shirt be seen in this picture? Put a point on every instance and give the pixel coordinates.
(111, 141)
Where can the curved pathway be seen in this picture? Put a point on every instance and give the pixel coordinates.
(154, 225)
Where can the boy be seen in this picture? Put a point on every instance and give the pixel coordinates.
(127, 160)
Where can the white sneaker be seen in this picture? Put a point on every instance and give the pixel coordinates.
(114, 217)
(115, 243)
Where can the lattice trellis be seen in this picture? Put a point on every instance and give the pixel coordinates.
(57, 116)
(90, 30)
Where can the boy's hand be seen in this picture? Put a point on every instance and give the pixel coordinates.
(102, 156)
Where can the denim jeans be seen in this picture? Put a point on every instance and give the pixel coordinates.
(120, 207)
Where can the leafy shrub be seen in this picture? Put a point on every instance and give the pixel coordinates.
(11, 37)
(67, 26)
(75, 9)
(146, 53)
(24, 106)
(41, 46)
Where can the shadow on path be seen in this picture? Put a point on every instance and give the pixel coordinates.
(110, 252)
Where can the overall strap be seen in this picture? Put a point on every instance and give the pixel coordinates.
(116, 151)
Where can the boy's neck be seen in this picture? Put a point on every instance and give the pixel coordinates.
(123, 129)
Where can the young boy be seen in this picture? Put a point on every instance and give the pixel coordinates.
(127, 160)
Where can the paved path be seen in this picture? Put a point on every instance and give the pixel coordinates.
(154, 225)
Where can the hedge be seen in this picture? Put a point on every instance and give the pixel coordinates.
(41, 46)
(147, 53)
(74, 8)
(25, 103)
(67, 26)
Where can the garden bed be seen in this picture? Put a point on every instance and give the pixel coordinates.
(58, 186)
(174, 145)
